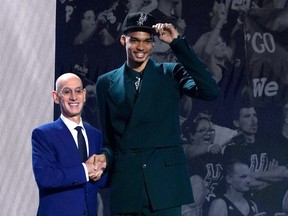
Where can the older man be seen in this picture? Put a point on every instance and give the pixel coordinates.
(68, 182)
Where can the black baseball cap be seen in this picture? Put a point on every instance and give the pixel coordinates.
(139, 21)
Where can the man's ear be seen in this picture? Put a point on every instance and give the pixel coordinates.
(85, 94)
(228, 179)
(123, 40)
(55, 97)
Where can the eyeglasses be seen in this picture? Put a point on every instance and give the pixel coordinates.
(205, 131)
(68, 92)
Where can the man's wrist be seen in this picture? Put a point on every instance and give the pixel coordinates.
(179, 37)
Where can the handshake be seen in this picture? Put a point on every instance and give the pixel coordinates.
(96, 165)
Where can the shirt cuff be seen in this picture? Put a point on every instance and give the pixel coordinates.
(86, 171)
(175, 40)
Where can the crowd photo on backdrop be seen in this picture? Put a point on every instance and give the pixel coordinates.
(191, 99)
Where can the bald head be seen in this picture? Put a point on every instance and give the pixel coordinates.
(60, 82)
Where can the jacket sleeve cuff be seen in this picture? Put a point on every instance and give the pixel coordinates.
(176, 40)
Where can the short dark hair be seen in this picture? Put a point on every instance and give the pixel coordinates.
(230, 165)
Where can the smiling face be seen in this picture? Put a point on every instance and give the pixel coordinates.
(138, 46)
(70, 95)
(204, 133)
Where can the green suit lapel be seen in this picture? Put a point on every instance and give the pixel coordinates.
(147, 98)
(117, 91)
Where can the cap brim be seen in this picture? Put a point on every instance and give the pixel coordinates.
(142, 28)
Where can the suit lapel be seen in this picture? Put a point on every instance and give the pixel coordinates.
(117, 91)
(92, 140)
(148, 96)
(66, 139)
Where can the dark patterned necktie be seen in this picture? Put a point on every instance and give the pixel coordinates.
(137, 86)
(81, 144)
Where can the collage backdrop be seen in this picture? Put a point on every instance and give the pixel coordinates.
(244, 44)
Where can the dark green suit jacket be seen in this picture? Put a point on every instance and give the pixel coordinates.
(144, 144)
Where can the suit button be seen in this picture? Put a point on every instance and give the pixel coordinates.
(144, 166)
